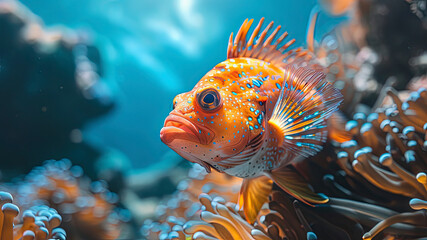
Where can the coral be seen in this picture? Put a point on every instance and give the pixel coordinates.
(389, 150)
(38, 222)
(218, 220)
(199, 181)
(284, 220)
(184, 205)
(87, 208)
(387, 158)
(214, 183)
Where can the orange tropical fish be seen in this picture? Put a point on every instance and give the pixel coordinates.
(254, 114)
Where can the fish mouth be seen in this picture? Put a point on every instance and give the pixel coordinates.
(179, 127)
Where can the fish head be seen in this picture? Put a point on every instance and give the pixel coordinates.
(216, 119)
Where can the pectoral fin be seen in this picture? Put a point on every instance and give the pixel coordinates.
(292, 183)
(299, 117)
(253, 194)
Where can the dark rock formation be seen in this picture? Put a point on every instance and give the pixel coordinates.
(50, 87)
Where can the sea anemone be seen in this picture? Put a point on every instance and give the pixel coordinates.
(38, 222)
(386, 164)
(184, 205)
(87, 208)
(218, 220)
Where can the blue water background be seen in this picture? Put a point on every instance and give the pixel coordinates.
(156, 49)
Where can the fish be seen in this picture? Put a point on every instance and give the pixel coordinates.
(254, 114)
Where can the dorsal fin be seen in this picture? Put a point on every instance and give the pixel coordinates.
(263, 48)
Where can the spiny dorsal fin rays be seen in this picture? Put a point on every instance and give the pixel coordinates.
(254, 34)
(280, 53)
(267, 46)
(230, 46)
(305, 102)
(259, 46)
(264, 49)
(239, 42)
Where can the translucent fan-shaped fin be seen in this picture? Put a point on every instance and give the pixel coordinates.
(299, 117)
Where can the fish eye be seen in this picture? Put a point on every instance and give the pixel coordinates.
(209, 100)
(174, 103)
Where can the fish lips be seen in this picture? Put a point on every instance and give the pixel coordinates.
(179, 127)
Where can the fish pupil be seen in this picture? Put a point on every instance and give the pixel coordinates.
(209, 98)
